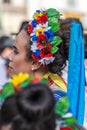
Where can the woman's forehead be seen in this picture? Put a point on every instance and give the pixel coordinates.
(22, 37)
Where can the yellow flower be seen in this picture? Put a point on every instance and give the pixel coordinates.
(38, 31)
(37, 14)
(18, 79)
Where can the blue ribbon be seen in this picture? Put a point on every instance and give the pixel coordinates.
(76, 73)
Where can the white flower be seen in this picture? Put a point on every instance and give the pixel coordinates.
(47, 60)
(47, 29)
(34, 47)
(32, 34)
(67, 115)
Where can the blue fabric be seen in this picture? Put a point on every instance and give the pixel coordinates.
(58, 94)
(76, 73)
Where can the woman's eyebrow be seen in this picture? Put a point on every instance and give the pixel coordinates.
(14, 47)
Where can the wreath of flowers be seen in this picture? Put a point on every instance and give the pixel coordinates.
(42, 34)
(17, 83)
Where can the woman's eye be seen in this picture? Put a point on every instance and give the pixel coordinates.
(15, 51)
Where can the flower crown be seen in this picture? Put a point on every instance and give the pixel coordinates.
(17, 83)
(42, 34)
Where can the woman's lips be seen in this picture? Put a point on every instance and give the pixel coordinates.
(10, 67)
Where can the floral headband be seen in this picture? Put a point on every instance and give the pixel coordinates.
(42, 34)
(17, 83)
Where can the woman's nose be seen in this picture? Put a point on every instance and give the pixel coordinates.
(10, 56)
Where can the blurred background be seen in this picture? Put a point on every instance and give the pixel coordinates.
(13, 12)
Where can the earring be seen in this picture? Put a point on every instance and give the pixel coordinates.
(32, 68)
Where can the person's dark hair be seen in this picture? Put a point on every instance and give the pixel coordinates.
(30, 109)
(85, 42)
(64, 33)
(23, 24)
(60, 61)
(5, 42)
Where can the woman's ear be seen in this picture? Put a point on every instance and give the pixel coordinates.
(35, 65)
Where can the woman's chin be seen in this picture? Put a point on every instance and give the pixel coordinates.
(10, 73)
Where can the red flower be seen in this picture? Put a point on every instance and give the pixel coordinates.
(44, 18)
(48, 47)
(35, 57)
(66, 128)
(44, 53)
(18, 88)
(41, 38)
(39, 45)
(36, 80)
(39, 20)
(30, 28)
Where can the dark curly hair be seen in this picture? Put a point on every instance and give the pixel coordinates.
(64, 33)
(30, 109)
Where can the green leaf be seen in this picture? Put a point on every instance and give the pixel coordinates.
(52, 12)
(8, 90)
(56, 41)
(52, 20)
(70, 120)
(1, 96)
(53, 16)
(74, 128)
(44, 80)
(55, 27)
(26, 82)
(54, 49)
(62, 106)
(54, 24)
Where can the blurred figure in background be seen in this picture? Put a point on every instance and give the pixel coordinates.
(6, 44)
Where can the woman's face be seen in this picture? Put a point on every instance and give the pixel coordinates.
(18, 61)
